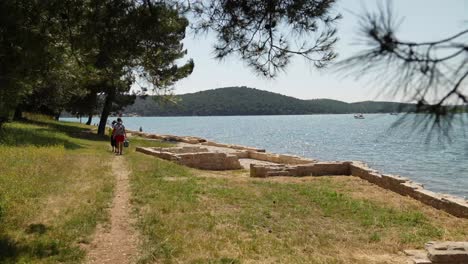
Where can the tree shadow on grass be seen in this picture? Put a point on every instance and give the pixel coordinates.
(47, 134)
(71, 129)
(13, 136)
(11, 251)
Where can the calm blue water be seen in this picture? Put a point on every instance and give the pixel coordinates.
(440, 166)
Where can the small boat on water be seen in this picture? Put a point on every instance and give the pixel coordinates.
(358, 116)
(393, 113)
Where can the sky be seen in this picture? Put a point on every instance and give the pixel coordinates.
(423, 20)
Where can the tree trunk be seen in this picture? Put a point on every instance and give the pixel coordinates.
(18, 113)
(106, 111)
(90, 119)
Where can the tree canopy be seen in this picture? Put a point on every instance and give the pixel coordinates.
(84, 55)
(266, 34)
(81, 55)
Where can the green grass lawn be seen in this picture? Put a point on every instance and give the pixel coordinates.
(55, 181)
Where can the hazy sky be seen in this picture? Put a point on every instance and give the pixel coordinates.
(423, 20)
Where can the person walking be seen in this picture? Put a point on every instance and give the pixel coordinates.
(120, 134)
(112, 137)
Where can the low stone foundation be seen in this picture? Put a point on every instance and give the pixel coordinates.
(185, 139)
(195, 157)
(243, 152)
(238, 147)
(451, 204)
(440, 253)
(279, 158)
(311, 169)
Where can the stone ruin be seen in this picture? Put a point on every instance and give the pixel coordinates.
(195, 157)
(451, 204)
(440, 253)
(200, 154)
(294, 166)
(306, 169)
(223, 158)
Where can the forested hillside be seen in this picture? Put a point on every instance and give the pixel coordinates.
(249, 101)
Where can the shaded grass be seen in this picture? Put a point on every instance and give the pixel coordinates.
(55, 185)
(17, 135)
(193, 219)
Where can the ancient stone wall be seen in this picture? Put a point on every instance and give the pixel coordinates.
(238, 147)
(451, 204)
(278, 158)
(185, 139)
(195, 157)
(311, 169)
(209, 161)
(243, 153)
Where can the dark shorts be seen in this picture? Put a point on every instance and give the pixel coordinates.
(113, 143)
(119, 138)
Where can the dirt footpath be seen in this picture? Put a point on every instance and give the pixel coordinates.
(116, 243)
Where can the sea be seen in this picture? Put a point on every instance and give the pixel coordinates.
(407, 145)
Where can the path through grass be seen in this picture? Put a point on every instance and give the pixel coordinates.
(55, 183)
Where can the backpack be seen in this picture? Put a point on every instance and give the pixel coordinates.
(119, 129)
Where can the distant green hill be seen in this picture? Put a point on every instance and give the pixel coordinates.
(249, 101)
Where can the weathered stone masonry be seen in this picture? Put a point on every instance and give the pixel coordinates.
(195, 157)
(440, 253)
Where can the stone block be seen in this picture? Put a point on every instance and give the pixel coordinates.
(330, 168)
(447, 252)
(312, 169)
(417, 256)
(455, 206)
(258, 171)
(362, 171)
(242, 154)
(428, 197)
(261, 156)
(291, 159)
(276, 158)
(407, 188)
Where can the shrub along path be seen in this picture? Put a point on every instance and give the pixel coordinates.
(118, 243)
